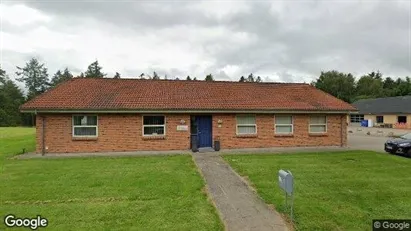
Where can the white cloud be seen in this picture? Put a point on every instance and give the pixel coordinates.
(20, 15)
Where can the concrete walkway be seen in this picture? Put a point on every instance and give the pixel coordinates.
(240, 208)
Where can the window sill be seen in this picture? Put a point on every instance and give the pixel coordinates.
(283, 135)
(247, 136)
(154, 137)
(317, 134)
(84, 138)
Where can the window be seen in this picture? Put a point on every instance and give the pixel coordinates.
(246, 125)
(380, 119)
(154, 126)
(402, 119)
(85, 126)
(356, 118)
(283, 124)
(318, 124)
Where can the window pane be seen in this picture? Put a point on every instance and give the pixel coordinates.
(153, 120)
(85, 120)
(317, 128)
(283, 129)
(283, 120)
(246, 130)
(153, 130)
(85, 131)
(246, 119)
(317, 120)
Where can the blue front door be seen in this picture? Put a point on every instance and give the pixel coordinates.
(204, 124)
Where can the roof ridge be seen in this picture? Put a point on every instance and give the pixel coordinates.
(181, 80)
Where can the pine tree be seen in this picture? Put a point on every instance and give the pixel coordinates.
(155, 76)
(60, 77)
(35, 77)
(242, 79)
(250, 78)
(188, 78)
(117, 75)
(94, 70)
(11, 97)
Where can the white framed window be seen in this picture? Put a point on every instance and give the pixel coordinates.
(85, 126)
(154, 125)
(318, 124)
(246, 125)
(283, 124)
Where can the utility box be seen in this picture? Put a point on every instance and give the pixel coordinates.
(286, 181)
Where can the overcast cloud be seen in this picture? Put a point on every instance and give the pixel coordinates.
(290, 41)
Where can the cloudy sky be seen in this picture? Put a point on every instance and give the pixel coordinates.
(291, 41)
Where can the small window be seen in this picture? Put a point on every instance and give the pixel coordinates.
(246, 125)
(318, 124)
(85, 126)
(380, 119)
(154, 126)
(283, 124)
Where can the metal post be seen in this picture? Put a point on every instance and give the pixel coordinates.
(292, 204)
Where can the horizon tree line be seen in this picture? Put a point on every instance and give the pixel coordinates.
(35, 77)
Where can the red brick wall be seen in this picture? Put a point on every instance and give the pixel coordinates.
(116, 132)
(267, 138)
(123, 132)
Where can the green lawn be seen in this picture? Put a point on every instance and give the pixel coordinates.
(333, 191)
(14, 139)
(140, 193)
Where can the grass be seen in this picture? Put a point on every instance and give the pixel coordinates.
(14, 139)
(333, 191)
(130, 193)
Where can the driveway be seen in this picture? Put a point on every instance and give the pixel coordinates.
(365, 142)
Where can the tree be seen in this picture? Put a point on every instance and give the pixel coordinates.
(250, 78)
(336, 83)
(155, 76)
(117, 75)
(195, 79)
(242, 79)
(142, 76)
(209, 77)
(370, 86)
(60, 77)
(94, 70)
(11, 97)
(81, 75)
(258, 79)
(35, 77)
(188, 78)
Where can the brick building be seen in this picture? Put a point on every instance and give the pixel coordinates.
(97, 115)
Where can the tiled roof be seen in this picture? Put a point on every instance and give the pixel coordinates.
(136, 94)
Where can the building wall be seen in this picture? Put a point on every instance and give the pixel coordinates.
(388, 119)
(336, 133)
(123, 132)
(116, 132)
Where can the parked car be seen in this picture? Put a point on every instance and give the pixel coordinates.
(400, 145)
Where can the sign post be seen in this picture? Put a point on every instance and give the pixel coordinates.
(286, 183)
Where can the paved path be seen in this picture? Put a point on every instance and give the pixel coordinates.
(240, 208)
